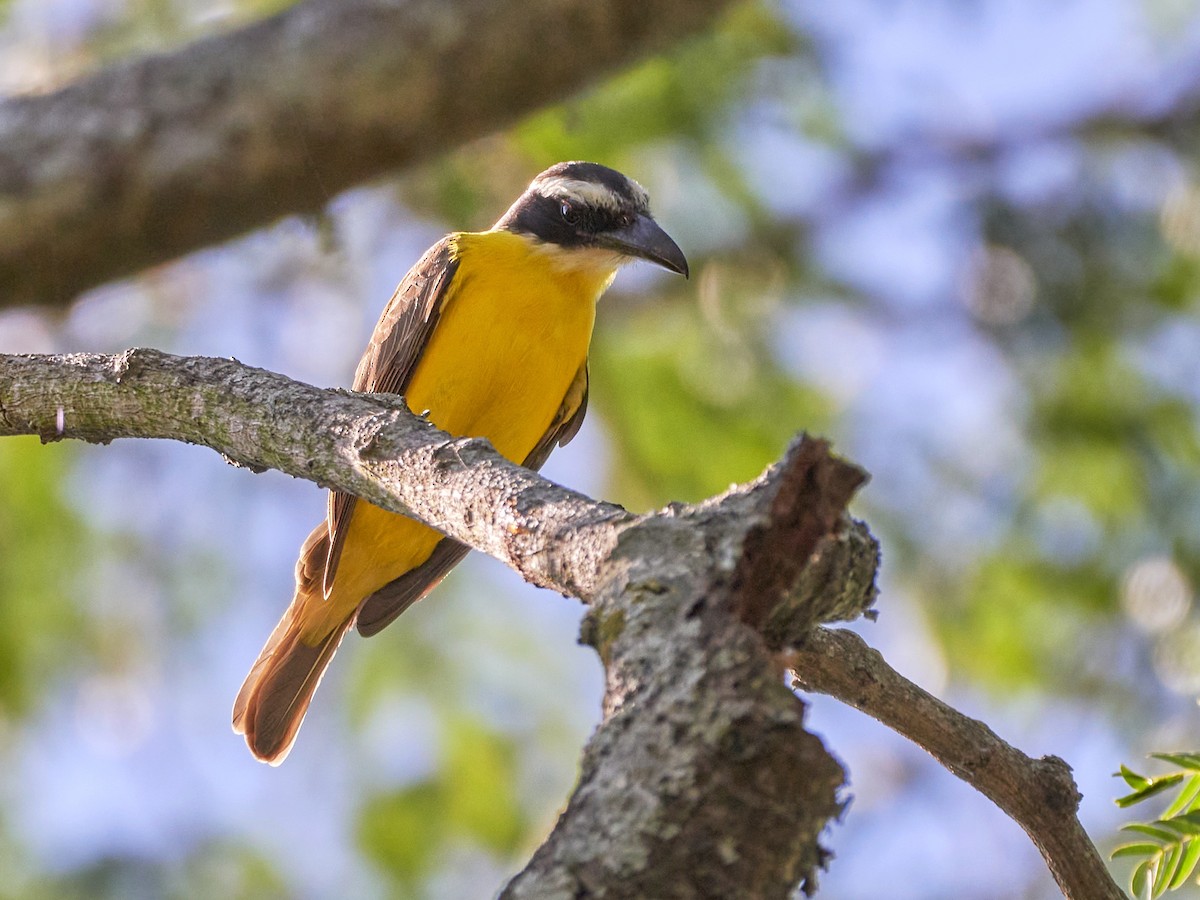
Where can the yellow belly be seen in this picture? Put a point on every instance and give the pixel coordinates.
(514, 330)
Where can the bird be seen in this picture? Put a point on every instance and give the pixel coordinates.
(487, 335)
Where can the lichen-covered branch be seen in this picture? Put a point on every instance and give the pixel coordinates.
(673, 604)
(153, 157)
(701, 781)
(369, 445)
(1039, 794)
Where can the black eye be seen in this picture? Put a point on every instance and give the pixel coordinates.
(570, 216)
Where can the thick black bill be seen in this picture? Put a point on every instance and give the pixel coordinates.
(644, 239)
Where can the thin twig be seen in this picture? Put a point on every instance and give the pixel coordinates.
(1039, 794)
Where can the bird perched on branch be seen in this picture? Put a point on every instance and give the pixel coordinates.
(489, 333)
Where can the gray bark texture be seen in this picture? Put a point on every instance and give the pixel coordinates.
(153, 157)
(701, 780)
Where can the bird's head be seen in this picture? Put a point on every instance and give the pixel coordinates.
(591, 213)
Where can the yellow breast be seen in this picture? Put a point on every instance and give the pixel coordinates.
(514, 329)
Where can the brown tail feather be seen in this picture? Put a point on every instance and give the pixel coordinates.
(274, 698)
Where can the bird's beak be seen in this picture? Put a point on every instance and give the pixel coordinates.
(644, 239)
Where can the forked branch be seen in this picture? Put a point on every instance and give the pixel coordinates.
(1039, 794)
(702, 780)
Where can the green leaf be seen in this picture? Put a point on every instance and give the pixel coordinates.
(1186, 799)
(404, 832)
(1187, 865)
(1014, 622)
(1132, 778)
(1140, 849)
(1165, 871)
(1157, 786)
(1189, 761)
(714, 390)
(1161, 834)
(1185, 824)
(1141, 877)
(1106, 478)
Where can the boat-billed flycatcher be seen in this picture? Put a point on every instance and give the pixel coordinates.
(489, 333)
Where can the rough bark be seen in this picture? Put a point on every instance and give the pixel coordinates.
(157, 156)
(676, 602)
(368, 445)
(701, 780)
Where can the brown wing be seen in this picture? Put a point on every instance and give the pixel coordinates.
(391, 357)
(566, 422)
(382, 607)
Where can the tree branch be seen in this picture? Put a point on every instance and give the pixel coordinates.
(701, 781)
(1039, 794)
(157, 156)
(368, 445)
(722, 820)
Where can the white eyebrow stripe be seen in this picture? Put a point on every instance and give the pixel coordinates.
(587, 192)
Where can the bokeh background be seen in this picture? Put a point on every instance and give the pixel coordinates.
(959, 237)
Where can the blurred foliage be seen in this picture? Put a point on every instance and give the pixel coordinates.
(693, 415)
(211, 870)
(409, 831)
(41, 540)
(472, 801)
(684, 96)
(139, 26)
(1107, 441)
(1014, 621)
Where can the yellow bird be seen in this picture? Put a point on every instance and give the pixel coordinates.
(489, 333)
